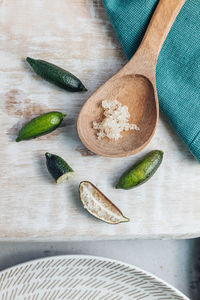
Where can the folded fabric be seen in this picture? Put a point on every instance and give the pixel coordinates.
(178, 67)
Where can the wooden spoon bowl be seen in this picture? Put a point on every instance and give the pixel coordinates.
(137, 93)
(135, 86)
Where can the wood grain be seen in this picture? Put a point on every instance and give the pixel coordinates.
(77, 35)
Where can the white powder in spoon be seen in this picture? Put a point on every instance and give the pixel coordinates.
(115, 121)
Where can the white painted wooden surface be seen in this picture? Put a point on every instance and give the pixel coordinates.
(77, 35)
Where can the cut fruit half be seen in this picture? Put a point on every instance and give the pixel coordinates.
(58, 168)
(99, 205)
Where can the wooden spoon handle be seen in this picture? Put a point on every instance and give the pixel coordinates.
(158, 29)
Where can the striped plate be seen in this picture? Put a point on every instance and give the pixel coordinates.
(82, 278)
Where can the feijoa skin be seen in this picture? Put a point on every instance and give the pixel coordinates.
(142, 171)
(56, 75)
(58, 167)
(98, 205)
(40, 125)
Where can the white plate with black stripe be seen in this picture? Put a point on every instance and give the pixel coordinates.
(82, 277)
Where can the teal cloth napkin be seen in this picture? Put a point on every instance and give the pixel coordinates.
(178, 67)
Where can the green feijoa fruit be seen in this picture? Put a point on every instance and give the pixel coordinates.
(40, 125)
(141, 171)
(58, 167)
(56, 75)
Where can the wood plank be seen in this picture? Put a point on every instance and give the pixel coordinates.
(77, 36)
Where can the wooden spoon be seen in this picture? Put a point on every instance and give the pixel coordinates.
(135, 86)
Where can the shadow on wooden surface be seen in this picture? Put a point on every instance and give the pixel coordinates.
(194, 271)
